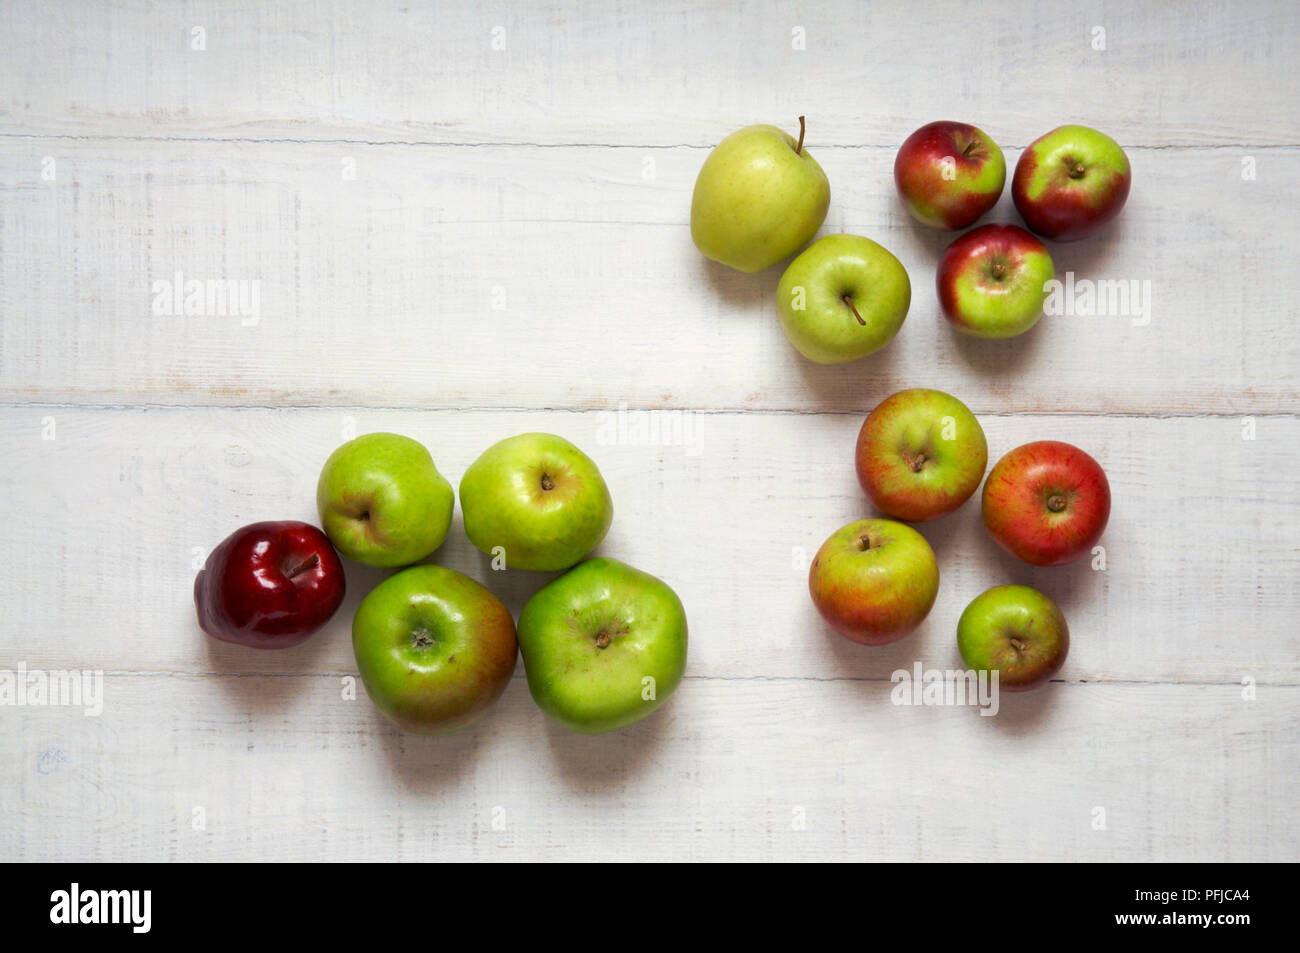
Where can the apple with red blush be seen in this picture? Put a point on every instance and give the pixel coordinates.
(948, 174)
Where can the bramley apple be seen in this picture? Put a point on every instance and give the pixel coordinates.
(874, 581)
(536, 499)
(603, 645)
(1046, 502)
(948, 174)
(269, 585)
(920, 455)
(434, 648)
(759, 198)
(383, 502)
(1071, 182)
(992, 281)
(1015, 631)
(842, 298)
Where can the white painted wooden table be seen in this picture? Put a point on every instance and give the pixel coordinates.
(466, 221)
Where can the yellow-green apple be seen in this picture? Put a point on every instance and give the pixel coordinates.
(383, 502)
(948, 174)
(537, 500)
(874, 581)
(1046, 502)
(1015, 631)
(1071, 182)
(434, 648)
(992, 281)
(759, 198)
(843, 298)
(603, 645)
(921, 454)
(269, 585)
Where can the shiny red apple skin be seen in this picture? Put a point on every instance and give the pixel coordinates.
(992, 281)
(269, 585)
(1046, 503)
(948, 174)
(1070, 182)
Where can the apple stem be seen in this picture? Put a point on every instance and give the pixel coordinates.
(999, 270)
(849, 301)
(602, 640)
(918, 462)
(798, 149)
(547, 482)
(1078, 171)
(312, 562)
(970, 147)
(1017, 645)
(1056, 503)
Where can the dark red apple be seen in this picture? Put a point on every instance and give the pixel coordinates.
(1046, 502)
(948, 174)
(269, 585)
(1071, 182)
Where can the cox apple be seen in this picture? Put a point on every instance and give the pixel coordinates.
(759, 198)
(948, 174)
(383, 502)
(874, 581)
(1046, 502)
(434, 648)
(842, 298)
(920, 454)
(603, 645)
(1071, 182)
(992, 281)
(269, 585)
(1015, 631)
(538, 498)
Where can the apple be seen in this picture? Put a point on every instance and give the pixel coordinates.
(1015, 631)
(537, 500)
(842, 298)
(603, 645)
(269, 585)
(920, 455)
(1046, 502)
(992, 281)
(948, 174)
(874, 581)
(383, 502)
(759, 198)
(434, 648)
(1071, 182)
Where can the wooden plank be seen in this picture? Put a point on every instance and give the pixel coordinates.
(1201, 551)
(452, 277)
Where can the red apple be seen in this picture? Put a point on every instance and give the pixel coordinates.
(1071, 182)
(948, 174)
(269, 585)
(992, 281)
(1046, 502)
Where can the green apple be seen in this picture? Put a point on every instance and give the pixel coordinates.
(538, 500)
(434, 648)
(604, 645)
(382, 501)
(759, 198)
(842, 299)
(1015, 631)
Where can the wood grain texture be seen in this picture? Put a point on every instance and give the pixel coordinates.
(461, 242)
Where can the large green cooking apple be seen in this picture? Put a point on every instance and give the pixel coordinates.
(538, 499)
(843, 298)
(604, 645)
(434, 648)
(383, 502)
(759, 198)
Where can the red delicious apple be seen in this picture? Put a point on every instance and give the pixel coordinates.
(992, 281)
(269, 585)
(874, 581)
(948, 174)
(1071, 182)
(920, 454)
(1046, 502)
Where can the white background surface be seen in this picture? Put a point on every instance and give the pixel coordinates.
(513, 254)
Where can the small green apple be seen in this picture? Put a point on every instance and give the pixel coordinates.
(1015, 631)
(434, 648)
(759, 198)
(843, 298)
(538, 498)
(603, 645)
(382, 502)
